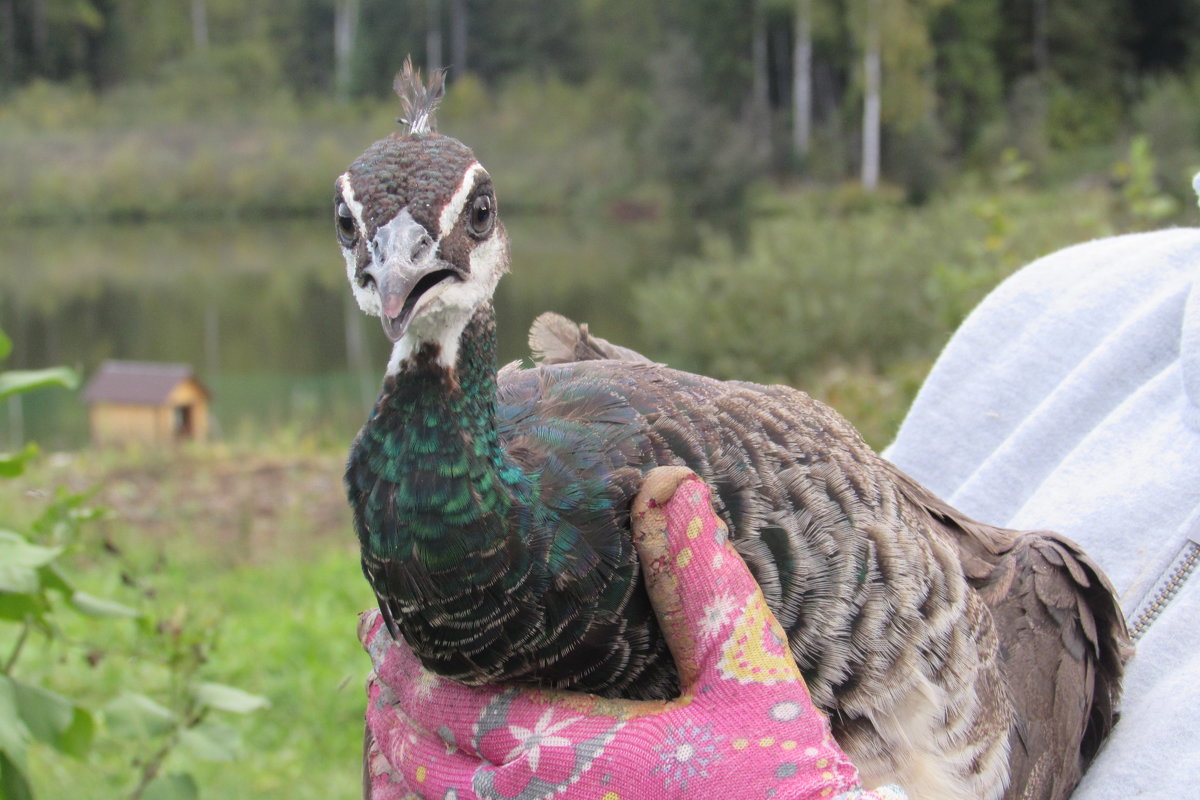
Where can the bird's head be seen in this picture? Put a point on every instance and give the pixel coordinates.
(417, 222)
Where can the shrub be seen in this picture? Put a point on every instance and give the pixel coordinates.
(874, 285)
(37, 592)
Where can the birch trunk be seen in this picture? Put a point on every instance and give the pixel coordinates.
(345, 31)
(458, 38)
(759, 91)
(433, 38)
(871, 100)
(200, 25)
(802, 80)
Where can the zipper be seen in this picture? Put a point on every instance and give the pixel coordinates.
(1177, 575)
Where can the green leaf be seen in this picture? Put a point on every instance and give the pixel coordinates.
(54, 719)
(18, 579)
(26, 380)
(99, 607)
(45, 713)
(211, 741)
(18, 606)
(137, 716)
(14, 785)
(19, 562)
(228, 698)
(76, 740)
(16, 551)
(14, 735)
(5, 346)
(13, 464)
(175, 786)
(55, 580)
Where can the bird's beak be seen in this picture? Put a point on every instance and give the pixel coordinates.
(404, 267)
(401, 286)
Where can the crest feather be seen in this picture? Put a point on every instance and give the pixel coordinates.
(418, 101)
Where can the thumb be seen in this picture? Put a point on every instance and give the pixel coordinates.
(712, 613)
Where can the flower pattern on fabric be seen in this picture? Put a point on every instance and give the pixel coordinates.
(757, 651)
(686, 753)
(531, 742)
(717, 615)
(541, 757)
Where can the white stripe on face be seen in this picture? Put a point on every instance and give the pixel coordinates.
(453, 209)
(368, 301)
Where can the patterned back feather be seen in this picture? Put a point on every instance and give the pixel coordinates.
(1048, 638)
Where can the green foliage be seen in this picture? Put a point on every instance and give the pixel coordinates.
(708, 158)
(579, 162)
(37, 597)
(29, 575)
(186, 147)
(1143, 205)
(1077, 118)
(130, 116)
(1169, 117)
(878, 286)
(970, 86)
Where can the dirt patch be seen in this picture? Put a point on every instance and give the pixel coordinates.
(245, 505)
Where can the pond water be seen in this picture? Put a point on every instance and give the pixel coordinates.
(263, 312)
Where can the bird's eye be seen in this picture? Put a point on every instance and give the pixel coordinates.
(346, 232)
(482, 216)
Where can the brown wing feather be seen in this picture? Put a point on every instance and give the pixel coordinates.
(1036, 606)
(1055, 613)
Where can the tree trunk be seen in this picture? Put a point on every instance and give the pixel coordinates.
(802, 80)
(1041, 37)
(200, 25)
(458, 38)
(8, 46)
(760, 87)
(212, 344)
(433, 38)
(39, 36)
(871, 97)
(345, 31)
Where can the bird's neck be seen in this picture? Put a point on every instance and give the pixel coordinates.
(433, 438)
(455, 396)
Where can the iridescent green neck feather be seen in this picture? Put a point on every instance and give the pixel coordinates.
(438, 488)
(500, 555)
(443, 518)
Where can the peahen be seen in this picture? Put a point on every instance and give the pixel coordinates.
(492, 507)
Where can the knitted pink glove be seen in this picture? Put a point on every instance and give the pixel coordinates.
(744, 726)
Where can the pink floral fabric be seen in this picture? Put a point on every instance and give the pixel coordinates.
(743, 727)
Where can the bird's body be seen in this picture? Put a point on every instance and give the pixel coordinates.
(955, 659)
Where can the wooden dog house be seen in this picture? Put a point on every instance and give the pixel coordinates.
(150, 403)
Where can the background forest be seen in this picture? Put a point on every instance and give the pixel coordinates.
(812, 192)
(928, 144)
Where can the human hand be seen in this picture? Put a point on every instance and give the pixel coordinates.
(743, 726)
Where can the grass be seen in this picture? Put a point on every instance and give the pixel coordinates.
(251, 557)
